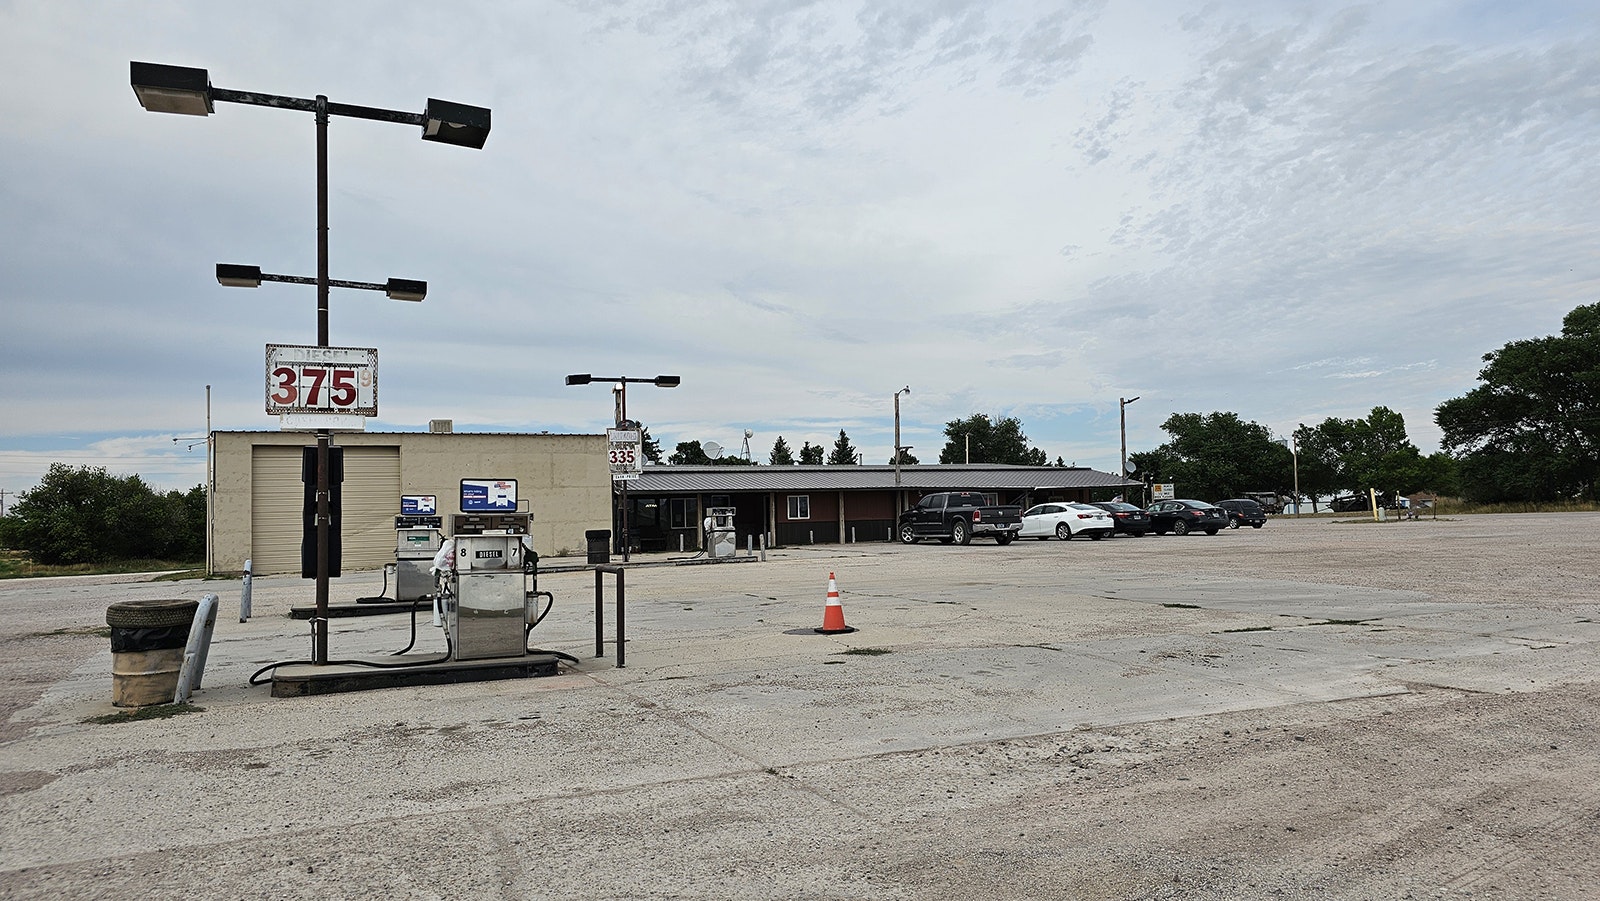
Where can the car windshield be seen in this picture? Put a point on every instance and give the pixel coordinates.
(1198, 505)
(1113, 505)
(1086, 507)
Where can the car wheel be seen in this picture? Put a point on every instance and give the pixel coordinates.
(1062, 532)
(1003, 538)
(1211, 531)
(1233, 524)
(908, 535)
(1096, 535)
(959, 533)
(1137, 534)
(1257, 525)
(1180, 528)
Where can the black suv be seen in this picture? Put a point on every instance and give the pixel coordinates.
(1243, 511)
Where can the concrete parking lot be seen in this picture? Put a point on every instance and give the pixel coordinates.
(1314, 710)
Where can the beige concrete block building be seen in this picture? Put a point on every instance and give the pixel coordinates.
(563, 480)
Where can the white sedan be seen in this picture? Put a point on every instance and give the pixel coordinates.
(1066, 520)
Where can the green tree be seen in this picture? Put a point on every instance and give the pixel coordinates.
(1530, 430)
(780, 455)
(689, 453)
(650, 447)
(811, 454)
(990, 441)
(843, 453)
(87, 515)
(1357, 454)
(906, 458)
(1215, 455)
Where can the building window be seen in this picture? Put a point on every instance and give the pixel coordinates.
(685, 512)
(799, 506)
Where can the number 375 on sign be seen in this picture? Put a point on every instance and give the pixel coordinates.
(322, 379)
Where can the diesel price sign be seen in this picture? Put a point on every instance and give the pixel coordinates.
(322, 380)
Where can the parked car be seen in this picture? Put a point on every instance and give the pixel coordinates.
(1065, 521)
(1181, 517)
(957, 516)
(1127, 518)
(1243, 511)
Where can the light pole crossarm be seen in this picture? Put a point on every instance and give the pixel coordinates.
(348, 110)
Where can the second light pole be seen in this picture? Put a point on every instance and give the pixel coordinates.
(622, 381)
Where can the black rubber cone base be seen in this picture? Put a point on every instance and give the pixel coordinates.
(833, 631)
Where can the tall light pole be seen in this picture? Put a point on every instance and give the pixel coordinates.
(621, 381)
(188, 91)
(897, 447)
(1294, 450)
(1122, 415)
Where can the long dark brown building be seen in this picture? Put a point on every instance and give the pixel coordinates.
(827, 504)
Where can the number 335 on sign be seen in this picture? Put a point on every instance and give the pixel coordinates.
(322, 379)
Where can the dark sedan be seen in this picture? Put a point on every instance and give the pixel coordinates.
(1181, 517)
(1126, 518)
(1243, 511)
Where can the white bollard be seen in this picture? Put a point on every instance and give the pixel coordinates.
(763, 548)
(244, 597)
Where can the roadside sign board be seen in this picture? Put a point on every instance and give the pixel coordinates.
(624, 454)
(322, 381)
(1163, 492)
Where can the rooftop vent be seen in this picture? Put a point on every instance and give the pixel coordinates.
(441, 426)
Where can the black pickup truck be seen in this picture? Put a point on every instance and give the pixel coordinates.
(956, 516)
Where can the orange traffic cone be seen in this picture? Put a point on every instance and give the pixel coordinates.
(833, 612)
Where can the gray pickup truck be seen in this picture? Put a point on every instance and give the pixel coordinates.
(956, 516)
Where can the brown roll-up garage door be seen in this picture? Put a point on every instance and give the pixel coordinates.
(371, 498)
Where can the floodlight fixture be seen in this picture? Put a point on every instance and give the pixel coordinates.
(171, 89)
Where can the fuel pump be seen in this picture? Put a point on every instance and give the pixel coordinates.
(721, 539)
(487, 576)
(417, 540)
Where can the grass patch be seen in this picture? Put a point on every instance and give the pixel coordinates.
(16, 565)
(138, 714)
(1183, 606)
(866, 652)
(1249, 629)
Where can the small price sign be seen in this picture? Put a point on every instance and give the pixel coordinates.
(341, 380)
(626, 457)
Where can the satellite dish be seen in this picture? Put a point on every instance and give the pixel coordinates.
(712, 449)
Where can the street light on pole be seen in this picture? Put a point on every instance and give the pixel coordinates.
(189, 92)
(897, 448)
(621, 381)
(1294, 450)
(1122, 415)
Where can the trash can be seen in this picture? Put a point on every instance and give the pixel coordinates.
(148, 639)
(599, 545)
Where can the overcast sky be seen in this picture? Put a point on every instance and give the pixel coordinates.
(1285, 210)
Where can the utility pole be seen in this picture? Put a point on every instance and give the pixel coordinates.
(1122, 412)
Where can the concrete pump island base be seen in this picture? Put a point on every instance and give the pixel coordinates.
(1312, 710)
